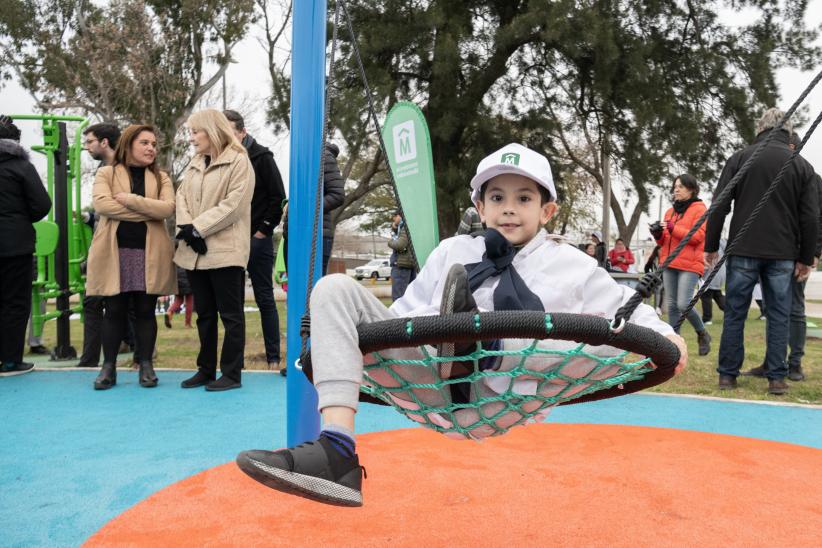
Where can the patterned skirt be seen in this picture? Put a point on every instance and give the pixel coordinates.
(132, 269)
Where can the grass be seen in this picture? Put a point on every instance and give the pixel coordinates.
(701, 378)
(177, 348)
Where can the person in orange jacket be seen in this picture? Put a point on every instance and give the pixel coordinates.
(682, 275)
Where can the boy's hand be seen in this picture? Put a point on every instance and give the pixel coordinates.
(683, 352)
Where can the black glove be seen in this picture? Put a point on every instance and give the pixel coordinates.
(5, 120)
(185, 233)
(198, 245)
(656, 230)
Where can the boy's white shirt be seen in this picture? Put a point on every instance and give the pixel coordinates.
(562, 276)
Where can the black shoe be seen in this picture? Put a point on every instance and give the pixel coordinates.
(727, 382)
(223, 383)
(39, 349)
(704, 341)
(167, 320)
(10, 370)
(314, 470)
(107, 377)
(795, 373)
(284, 372)
(456, 298)
(148, 378)
(760, 372)
(199, 379)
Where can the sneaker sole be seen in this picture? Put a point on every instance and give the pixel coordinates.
(15, 373)
(310, 487)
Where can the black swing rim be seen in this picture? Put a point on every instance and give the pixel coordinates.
(473, 327)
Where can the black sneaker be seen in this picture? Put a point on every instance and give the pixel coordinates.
(456, 298)
(313, 470)
(223, 383)
(12, 369)
(39, 349)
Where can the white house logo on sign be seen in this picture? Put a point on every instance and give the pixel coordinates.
(405, 142)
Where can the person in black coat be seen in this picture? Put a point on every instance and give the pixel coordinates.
(779, 246)
(266, 213)
(333, 197)
(23, 201)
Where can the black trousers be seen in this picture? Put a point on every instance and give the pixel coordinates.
(15, 306)
(260, 270)
(707, 306)
(92, 330)
(220, 291)
(114, 324)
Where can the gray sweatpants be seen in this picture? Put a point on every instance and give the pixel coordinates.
(338, 305)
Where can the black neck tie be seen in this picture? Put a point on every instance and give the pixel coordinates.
(511, 292)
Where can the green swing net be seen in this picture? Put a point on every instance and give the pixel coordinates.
(410, 363)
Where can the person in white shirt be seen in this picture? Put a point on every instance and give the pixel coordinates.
(516, 265)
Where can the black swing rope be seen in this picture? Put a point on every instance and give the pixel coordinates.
(305, 321)
(651, 281)
(467, 327)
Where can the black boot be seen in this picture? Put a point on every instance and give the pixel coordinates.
(795, 373)
(148, 379)
(107, 377)
(704, 341)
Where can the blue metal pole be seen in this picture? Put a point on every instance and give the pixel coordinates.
(307, 100)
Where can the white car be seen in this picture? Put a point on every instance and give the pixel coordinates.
(376, 269)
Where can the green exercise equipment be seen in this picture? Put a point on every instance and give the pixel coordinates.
(63, 239)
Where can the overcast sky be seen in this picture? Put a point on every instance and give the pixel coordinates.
(248, 79)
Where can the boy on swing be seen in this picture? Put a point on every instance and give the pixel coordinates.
(516, 265)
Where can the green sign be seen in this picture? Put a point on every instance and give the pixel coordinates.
(409, 153)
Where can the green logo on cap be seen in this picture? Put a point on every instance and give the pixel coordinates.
(510, 158)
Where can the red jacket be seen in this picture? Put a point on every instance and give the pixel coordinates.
(614, 255)
(691, 258)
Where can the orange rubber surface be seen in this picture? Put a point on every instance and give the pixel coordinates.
(547, 484)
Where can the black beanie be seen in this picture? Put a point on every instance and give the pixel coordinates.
(8, 130)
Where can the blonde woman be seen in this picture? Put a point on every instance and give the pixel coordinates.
(130, 260)
(213, 223)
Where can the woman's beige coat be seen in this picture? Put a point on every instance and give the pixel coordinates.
(217, 201)
(103, 274)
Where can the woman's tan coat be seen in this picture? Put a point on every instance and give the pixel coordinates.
(217, 201)
(103, 276)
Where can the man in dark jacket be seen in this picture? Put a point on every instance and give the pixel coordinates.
(333, 197)
(266, 213)
(100, 141)
(23, 201)
(797, 332)
(779, 246)
(403, 268)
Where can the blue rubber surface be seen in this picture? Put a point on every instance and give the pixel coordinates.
(71, 458)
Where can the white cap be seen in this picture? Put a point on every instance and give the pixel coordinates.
(517, 159)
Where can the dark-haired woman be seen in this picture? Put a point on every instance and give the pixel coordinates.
(130, 260)
(682, 275)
